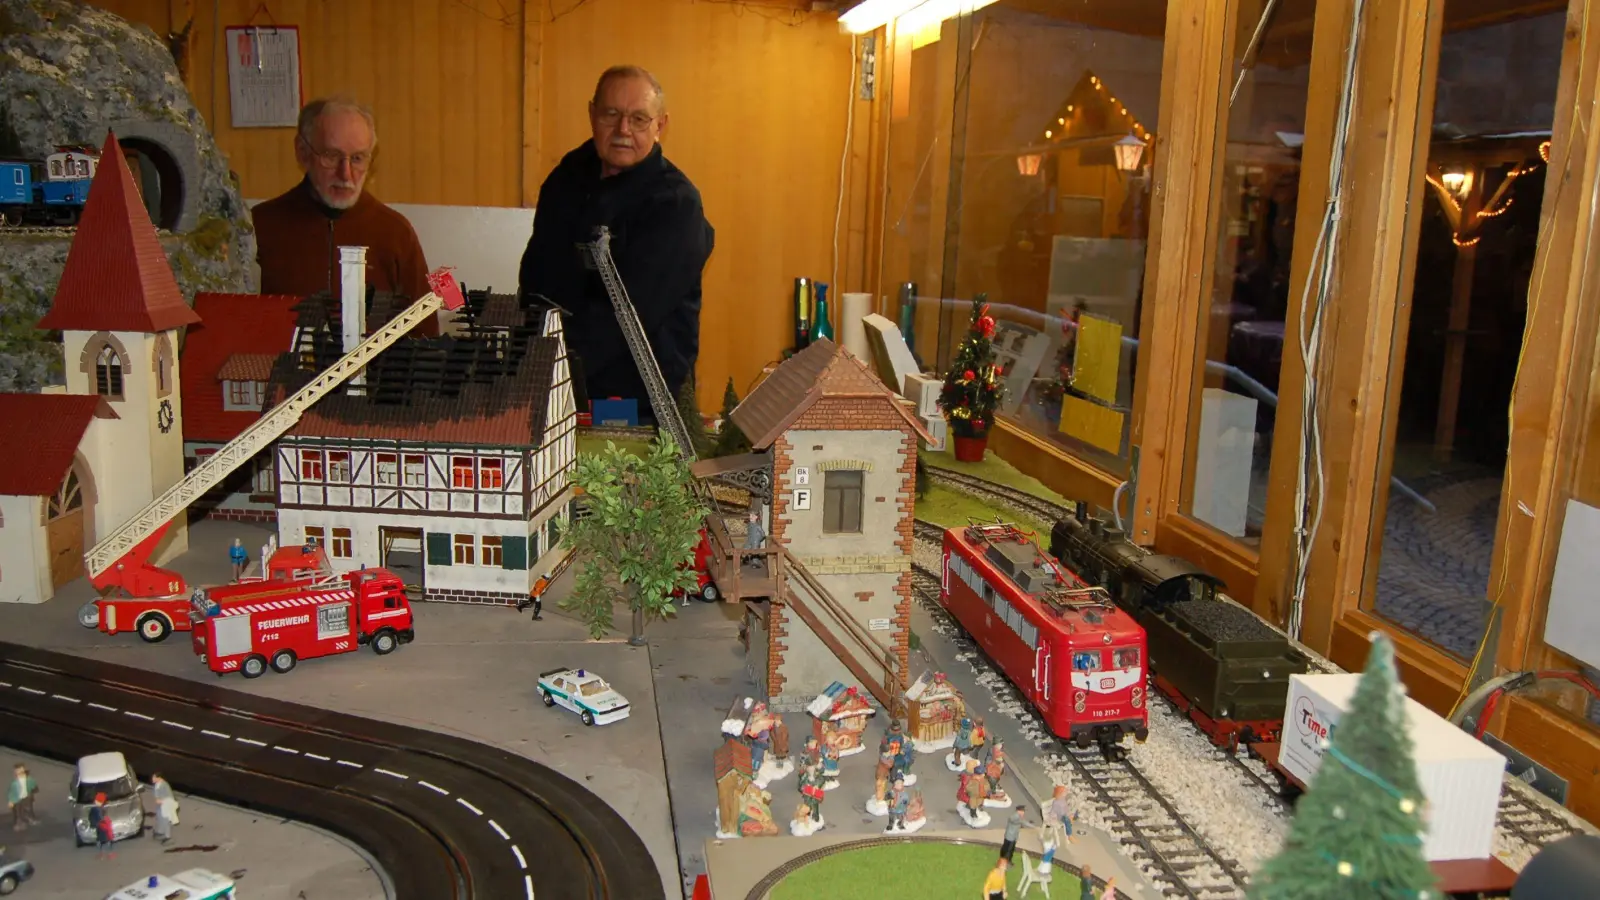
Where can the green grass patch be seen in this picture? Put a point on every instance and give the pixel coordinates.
(591, 444)
(951, 508)
(924, 870)
(993, 468)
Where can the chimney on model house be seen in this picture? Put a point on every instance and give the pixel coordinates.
(353, 302)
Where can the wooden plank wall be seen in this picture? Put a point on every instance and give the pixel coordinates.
(757, 96)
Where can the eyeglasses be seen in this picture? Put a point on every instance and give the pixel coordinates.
(332, 159)
(640, 121)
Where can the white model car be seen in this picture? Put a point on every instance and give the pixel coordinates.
(585, 693)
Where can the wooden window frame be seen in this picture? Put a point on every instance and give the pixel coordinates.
(419, 460)
(343, 544)
(464, 550)
(834, 495)
(315, 533)
(392, 461)
(463, 474)
(492, 551)
(491, 474)
(338, 466)
(312, 465)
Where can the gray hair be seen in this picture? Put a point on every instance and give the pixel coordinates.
(319, 107)
(631, 72)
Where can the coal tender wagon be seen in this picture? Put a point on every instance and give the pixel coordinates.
(1223, 667)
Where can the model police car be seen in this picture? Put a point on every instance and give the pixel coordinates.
(585, 693)
(195, 884)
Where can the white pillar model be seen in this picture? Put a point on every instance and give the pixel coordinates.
(353, 300)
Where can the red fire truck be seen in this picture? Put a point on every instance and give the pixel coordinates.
(294, 622)
(156, 617)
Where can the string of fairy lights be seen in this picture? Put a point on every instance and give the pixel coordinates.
(1110, 101)
(1407, 804)
(1491, 212)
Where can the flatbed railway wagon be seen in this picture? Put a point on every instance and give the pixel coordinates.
(1076, 657)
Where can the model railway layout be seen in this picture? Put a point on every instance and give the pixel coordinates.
(446, 818)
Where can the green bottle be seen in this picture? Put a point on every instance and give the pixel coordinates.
(821, 326)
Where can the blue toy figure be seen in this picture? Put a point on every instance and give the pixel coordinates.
(239, 557)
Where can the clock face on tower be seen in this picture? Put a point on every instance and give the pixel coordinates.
(164, 416)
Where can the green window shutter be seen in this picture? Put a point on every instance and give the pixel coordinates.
(439, 549)
(513, 553)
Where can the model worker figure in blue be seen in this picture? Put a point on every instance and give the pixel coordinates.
(239, 557)
(963, 745)
(755, 538)
(899, 801)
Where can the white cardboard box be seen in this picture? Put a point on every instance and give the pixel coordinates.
(940, 430)
(1461, 777)
(923, 390)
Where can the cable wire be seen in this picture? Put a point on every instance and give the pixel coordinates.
(844, 163)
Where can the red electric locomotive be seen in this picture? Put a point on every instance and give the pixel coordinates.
(1076, 657)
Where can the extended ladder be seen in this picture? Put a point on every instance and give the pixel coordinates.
(214, 468)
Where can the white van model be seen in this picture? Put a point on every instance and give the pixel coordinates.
(195, 884)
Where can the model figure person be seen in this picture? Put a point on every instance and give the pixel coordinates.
(811, 752)
(1058, 818)
(995, 771)
(755, 538)
(755, 813)
(830, 768)
(899, 801)
(956, 761)
(808, 816)
(20, 798)
(970, 795)
(1014, 824)
(994, 886)
(100, 821)
(166, 807)
(882, 777)
(536, 596)
(239, 557)
(1086, 882)
(1110, 890)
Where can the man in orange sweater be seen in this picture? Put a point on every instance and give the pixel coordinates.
(299, 233)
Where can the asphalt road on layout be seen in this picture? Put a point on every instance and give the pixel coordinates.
(446, 818)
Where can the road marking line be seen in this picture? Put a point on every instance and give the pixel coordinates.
(346, 762)
(178, 725)
(5, 684)
(392, 774)
(520, 861)
(285, 750)
(433, 787)
(31, 690)
(527, 881)
(316, 756)
(498, 830)
(104, 707)
(216, 734)
(129, 712)
(474, 809)
(253, 743)
(66, 698)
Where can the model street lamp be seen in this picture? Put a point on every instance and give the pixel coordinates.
(1028, 163)
(1129, 150)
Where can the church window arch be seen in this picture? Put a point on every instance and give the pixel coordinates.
(106, 365)
(108, 372)
(161, 365)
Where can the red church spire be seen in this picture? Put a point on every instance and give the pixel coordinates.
(117, 277)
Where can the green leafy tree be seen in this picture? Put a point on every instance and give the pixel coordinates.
(689, 411)
(639, 537)
(1357, 832)
(972, 385)
(730, 440)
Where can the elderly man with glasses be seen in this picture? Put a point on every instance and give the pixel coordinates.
(660, 239)
(299, 233)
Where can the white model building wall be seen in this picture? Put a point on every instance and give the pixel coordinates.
(419, 478)
(24, 551)
(255, 499)
(558, 446)
(131, 457)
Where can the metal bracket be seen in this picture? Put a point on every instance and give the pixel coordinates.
(869, 67)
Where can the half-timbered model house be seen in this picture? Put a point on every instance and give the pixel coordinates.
(456, 451)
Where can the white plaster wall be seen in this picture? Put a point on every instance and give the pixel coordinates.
(808, 665)
(236, 500)
(884, 451)
(24, 551)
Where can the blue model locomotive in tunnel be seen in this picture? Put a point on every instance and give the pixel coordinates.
(51, 192)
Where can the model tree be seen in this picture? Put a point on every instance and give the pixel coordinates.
(924, 481)
(638, 538)
(730, 440)
(972, 385)
(689, 411)
(1357, 831)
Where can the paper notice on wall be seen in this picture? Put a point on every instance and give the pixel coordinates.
(1095, 425)
(264, 76)
(1098, 356)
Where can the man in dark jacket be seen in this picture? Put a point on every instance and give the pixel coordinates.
(660, 240)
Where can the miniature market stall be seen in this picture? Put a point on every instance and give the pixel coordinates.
(840, 718)
(742, 808)
(933, 708)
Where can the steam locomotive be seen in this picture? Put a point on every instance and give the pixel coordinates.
(1223, 667)
(51, 192)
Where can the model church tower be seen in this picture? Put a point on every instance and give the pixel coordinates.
(119, 312)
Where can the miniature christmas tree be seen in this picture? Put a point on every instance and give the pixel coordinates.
(972, 385)
(730, 440)
(1357, 831)
(689, 412)
(639, 537)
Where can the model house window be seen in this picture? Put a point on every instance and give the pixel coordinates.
(264, 480)
(416, 471)
(311, 465)
(163, 365)
(342, 548)
(55, 168)
(841, 502)
(315, 535)
(491, 474)
(461, 475)
(492, 555)
(243, 395)
(339, 465)
(466, 549)
(388, 466)
(108, 373)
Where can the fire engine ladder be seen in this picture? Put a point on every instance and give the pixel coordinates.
(266, 429)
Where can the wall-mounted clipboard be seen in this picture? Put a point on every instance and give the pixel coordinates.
(263, 75)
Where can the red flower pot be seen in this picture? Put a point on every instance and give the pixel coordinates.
(970, 449)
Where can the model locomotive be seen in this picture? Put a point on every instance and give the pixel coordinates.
(1225, 668)
(47, 193)
(1076, 657)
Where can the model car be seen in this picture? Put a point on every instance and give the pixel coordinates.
(585, 693)
(108, 774)
(194, 884)
(13, 873)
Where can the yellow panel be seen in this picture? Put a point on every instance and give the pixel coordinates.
(1094, 370)
(1095, 425)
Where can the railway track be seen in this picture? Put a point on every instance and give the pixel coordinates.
(1022, 501)
(1530, 822)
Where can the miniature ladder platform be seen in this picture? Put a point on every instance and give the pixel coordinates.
(149, 522)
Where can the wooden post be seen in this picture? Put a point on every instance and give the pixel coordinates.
(1455, 335)
(532, 122)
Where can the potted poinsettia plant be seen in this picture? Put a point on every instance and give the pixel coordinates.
(972, 386)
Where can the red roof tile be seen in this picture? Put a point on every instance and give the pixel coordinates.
(231, 325)
(117, 277)
(247, 367)
(33, 460)
(823, 369)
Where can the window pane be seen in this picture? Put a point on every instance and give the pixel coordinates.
(1006, 177)
(1241, 327)
(1457, 355)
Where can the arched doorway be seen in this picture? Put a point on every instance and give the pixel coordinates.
(63, 518)
(159, 177)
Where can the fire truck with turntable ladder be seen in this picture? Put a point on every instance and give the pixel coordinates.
(156, 601)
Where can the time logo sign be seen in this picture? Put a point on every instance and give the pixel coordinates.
(1306, 721)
